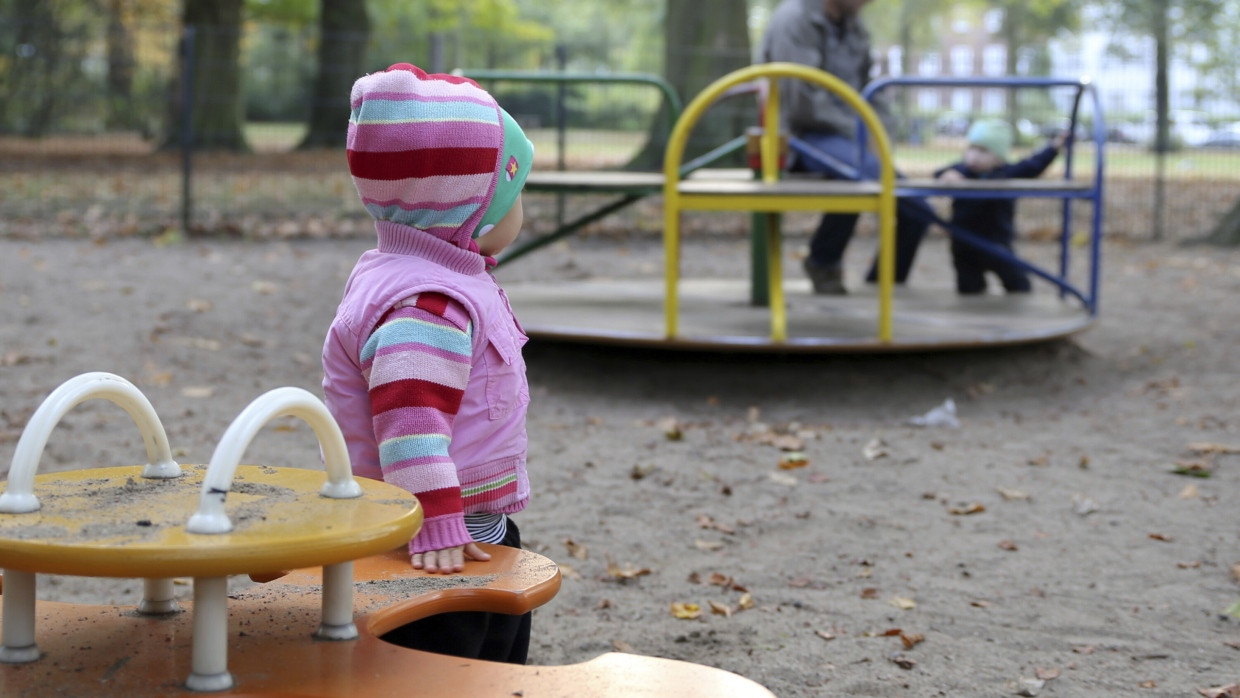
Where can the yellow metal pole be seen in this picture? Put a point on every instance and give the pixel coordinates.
(775, 277)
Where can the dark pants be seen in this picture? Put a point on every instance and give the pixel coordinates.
(496, 637)
(826, 248)
(972, 264)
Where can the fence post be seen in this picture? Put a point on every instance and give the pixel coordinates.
(561, 125)
(187, 128)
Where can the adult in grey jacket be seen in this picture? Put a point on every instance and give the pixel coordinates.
(828, 34)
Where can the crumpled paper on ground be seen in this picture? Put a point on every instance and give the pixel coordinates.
(942, 416)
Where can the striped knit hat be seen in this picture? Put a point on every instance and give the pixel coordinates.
(434, 152)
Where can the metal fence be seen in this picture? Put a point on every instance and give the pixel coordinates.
(89, 140)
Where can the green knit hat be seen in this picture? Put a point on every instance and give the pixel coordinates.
(514, 167)
(994, 135)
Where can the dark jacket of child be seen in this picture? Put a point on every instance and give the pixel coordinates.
(993, 219)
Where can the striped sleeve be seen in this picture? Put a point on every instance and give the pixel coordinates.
(417, 363)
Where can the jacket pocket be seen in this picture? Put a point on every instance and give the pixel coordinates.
(507, 388)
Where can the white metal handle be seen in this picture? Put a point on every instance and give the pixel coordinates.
(19, 498)
(281, 402)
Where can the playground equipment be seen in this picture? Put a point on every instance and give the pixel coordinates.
(767, 312)
(330, 558)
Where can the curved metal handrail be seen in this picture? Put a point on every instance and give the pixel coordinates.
(280, 402)
(19, 497)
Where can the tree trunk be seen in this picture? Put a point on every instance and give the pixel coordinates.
(215, 85)
(704, 41)
(1162, 140)
(1227, 232)
(121, 114)
(344, 29)
(31, 101)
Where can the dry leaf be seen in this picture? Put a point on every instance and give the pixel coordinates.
(708, 545)
(911, 640)
(626, 572)
(622, 646)
(198, 391)
(1189, 492)
(875, 449)
(265, 288)
(1008, 545)
(1193, 468)
(686, 611)
(902, 603)
(604, 604)
(1161, 536)
(640, 471)
(1148, 683)
(782, 479)
(825, 634)
(576, 550)
(745, 602)
(1235, 572)
(14, 358)
(670, 427)
(793, 460)
(568, 571)
(1046, 673)
(1206, 447)
(1189, 565)
(720, 609)
(869, 593)
(1231, 690)
(980, 604)
(903, 662)
(1083, 649)
(966, 509)
(198, 305)
(1010, 494)
(707, 522)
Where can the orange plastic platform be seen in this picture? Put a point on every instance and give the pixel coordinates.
(112, 650)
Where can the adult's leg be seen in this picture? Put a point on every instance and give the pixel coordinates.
(835, 230)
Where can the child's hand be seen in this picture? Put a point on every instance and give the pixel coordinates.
(952, 175)
(448, 560)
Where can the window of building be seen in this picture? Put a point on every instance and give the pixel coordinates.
(931, 64)
(993, 21)
(962, 61)
(994, 101)
(994, 59)
(895, 60)
(962, 101)
(928, 100)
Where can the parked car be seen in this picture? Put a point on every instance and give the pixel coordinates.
(1223, 138)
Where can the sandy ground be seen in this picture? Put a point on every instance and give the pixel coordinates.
(1044, 547)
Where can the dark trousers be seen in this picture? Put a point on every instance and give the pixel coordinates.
(972, 264)
(826, 248)
(496, 637)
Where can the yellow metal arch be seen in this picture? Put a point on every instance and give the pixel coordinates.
(767, 197)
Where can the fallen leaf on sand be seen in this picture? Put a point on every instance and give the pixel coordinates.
(875, 449)
(902, 603)
(1011, 494)
(686, 611)
(1008, 546)
(1193, 468)
(1046, 673)
(792, 460)
(966, 509)
(1189, 492)
(708, 545)
(720, 609)
(576, 550)
(1161, 536)
(622, 646)
(1207, 447)
(903, 662)
(1231, 690)
(825, 634)
(626, 572)
(911, 640)
(745, 603)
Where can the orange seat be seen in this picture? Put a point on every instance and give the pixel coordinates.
(111, 649)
